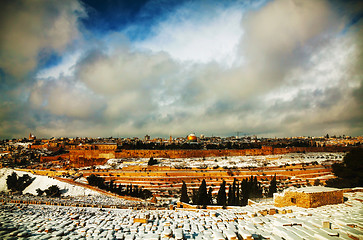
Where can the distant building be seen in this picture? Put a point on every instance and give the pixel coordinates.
(147, 138)
(192, 138)
(32, 137)
(308, 197)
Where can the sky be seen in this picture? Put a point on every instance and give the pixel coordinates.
(271, 68)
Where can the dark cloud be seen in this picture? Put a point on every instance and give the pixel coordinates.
(27, 28)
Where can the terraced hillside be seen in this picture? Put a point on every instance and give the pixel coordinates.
(165, 178)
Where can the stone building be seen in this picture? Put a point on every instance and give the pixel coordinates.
(308, 197)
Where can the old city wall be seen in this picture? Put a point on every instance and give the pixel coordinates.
(217, 153)
(91, 154)
(82, 158)
(308, 200)
(77, 155)
(203, 153)
(54, 158)
(177, 153)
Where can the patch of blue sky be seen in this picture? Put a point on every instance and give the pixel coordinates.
(48, 59)
(115, 16)
(136, 19)
(354, 19)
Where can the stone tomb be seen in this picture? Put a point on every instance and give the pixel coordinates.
(308, 197)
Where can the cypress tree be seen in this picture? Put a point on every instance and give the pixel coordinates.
(210, 198)
(135, 191)
(184, 194)
(273, 187)
(195, 197)
(112, 186)
(119, 189)
(202, 194)
(238, 198)
(245, 190)
(221, 197)
(230, 195)
(234, 193)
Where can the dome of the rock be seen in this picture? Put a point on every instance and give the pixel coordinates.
(192, 138)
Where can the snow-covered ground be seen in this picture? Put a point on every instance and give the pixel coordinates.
(56, 222)
(44, 182)
(24, 145)
(71, 192)
(230, 162)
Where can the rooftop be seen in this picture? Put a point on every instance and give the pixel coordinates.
(313, 189)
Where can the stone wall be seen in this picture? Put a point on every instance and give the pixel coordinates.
(214, 152)
(90, 154)
(54, 158)
(77, 154)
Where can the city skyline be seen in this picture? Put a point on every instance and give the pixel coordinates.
(113, 68)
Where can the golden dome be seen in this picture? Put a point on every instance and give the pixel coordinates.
(192, 138)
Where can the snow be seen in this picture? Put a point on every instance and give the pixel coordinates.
(230, 162)
(60, 222)
(44, 182)
(24, 145)
(3, 175)
(315, 189)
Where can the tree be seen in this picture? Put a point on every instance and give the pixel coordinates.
(238, 196)
(40, 192)
(221, 196)
(210, 197)
(349, 173)
(195, 197)
(152, 161)
(53, 191)
(15, 183)
(230, 195)
(245, 190)
(317, 182)
(135, 191)
(12, 181)
(256, 190)
(95, 180)
(184, 194)
(202, 194)
(273, 187)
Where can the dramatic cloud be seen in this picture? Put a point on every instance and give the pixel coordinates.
(29, 28)
(271, 68)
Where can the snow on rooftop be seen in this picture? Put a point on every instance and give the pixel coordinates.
(314, 189)
(311, 189)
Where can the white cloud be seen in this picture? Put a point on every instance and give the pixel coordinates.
(65, 97)
(189, 35)
(123, 71)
